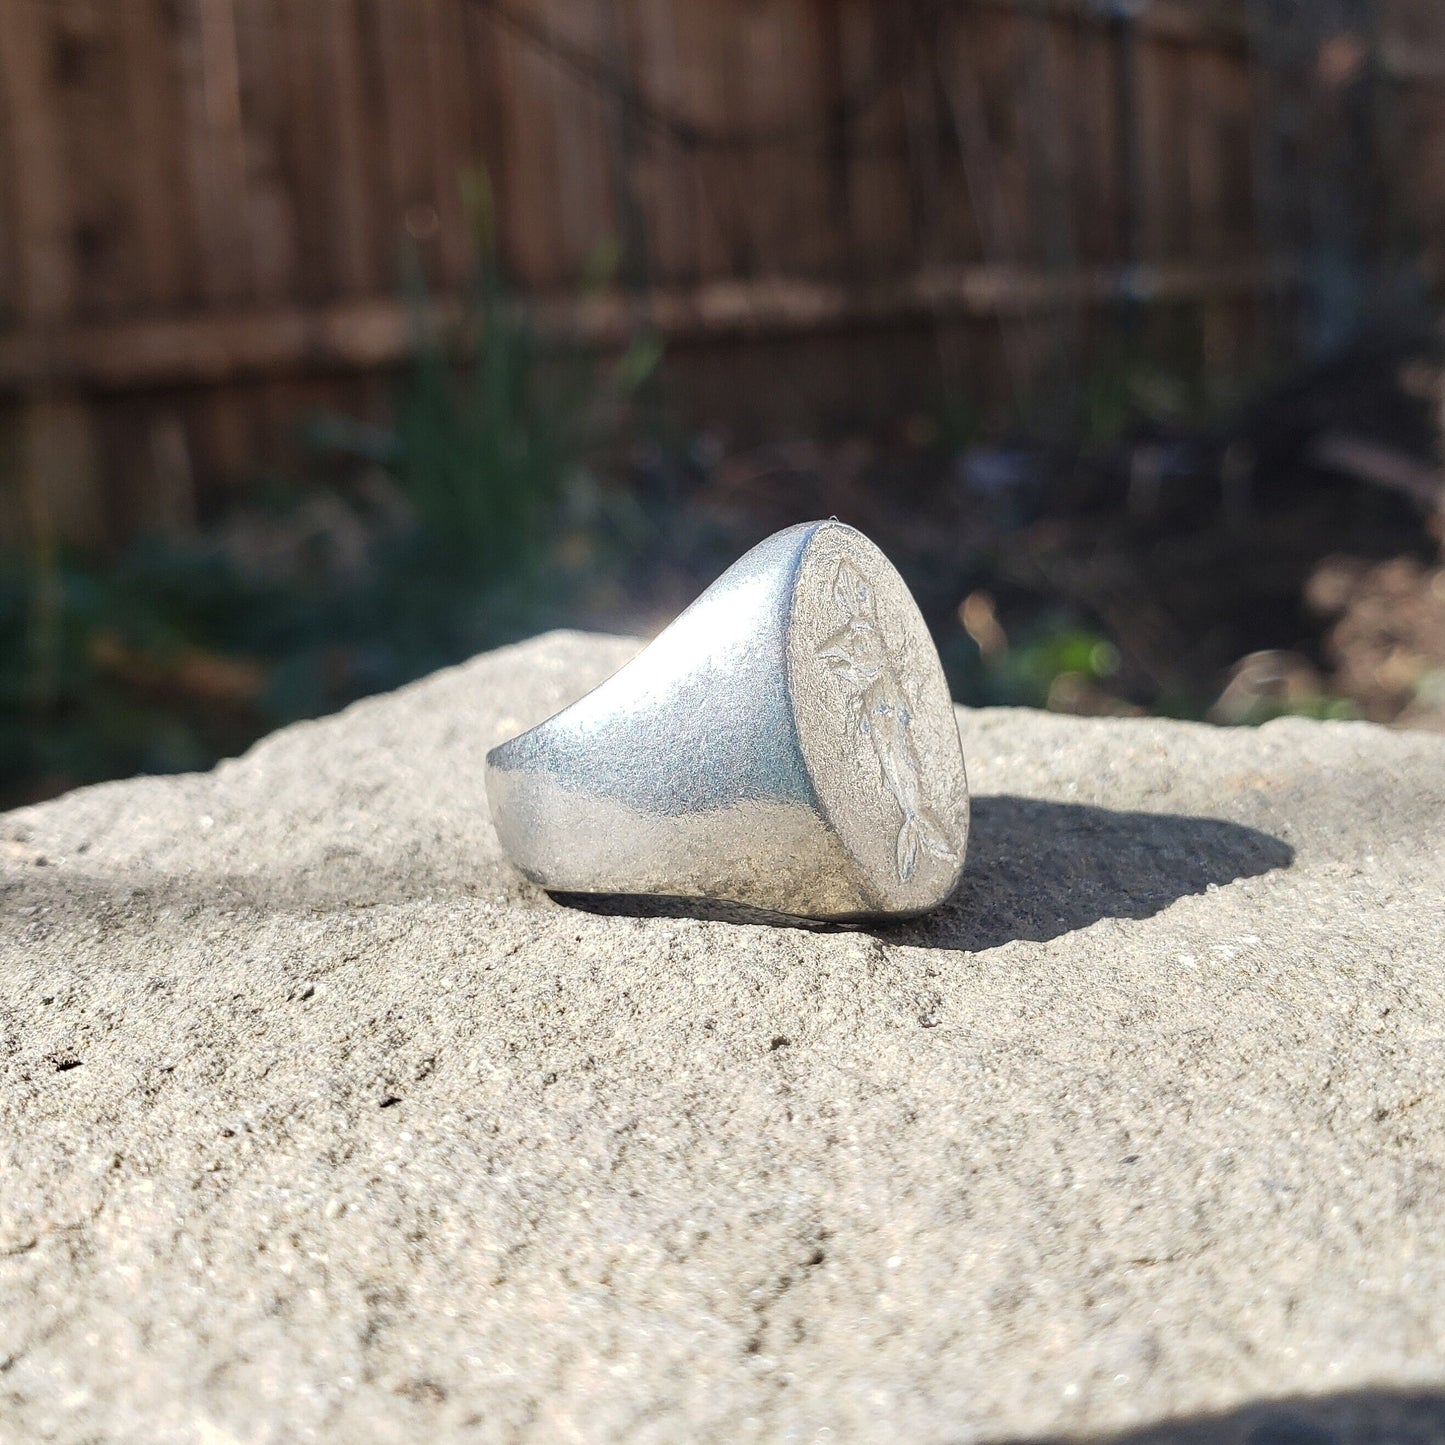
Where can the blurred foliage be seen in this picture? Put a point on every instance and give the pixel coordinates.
(493, 428)
(1055, 660)
(1137, 381)
(93, 662)
(1320, 707)
(182, 652)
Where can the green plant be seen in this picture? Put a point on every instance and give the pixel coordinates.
(493, 427)
(145, 665)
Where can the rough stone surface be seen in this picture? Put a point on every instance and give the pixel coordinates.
(316, 1122)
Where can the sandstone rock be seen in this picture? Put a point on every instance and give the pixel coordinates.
(317, 1122)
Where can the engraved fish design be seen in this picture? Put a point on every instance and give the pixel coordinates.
(878, 711)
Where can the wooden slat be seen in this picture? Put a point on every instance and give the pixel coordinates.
(793, 95)
(49, 485)
(583, 174)
(766, 95)
(526, 188)
(1162, 100)
(1048, 66)
(215, 142)
(410, 218)
(486, 111)
(663, 172)
(704, 90)
(878, 217)
(1206, 161)
(1097, 201)
(87, 94)
(272, 196)
(448, 132)
(11, 278)
(215, 348)
(385, 210)
(45, 256)
(158, 210)
(1424, 163)
(353, 223)
(305, 145)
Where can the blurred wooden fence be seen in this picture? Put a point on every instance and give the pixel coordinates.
(204, 204)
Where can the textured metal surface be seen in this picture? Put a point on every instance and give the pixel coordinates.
(788, 743)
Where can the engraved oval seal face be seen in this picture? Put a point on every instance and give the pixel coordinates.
(875, 720)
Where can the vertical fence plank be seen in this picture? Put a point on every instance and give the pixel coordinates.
(410, 221)
(1163, 102)
(663, 171)
(10, 261)
(215, 141)
(267, 114)
(44, 241)
(304, 140)
(780, 182)
(713, 55)
(579, 111)
(878, 215)
(527, 185)
(52, 486)
(1413, 52)
(454, 151)
(156, 168)
(481, 86)
(348, 141)
(1204, 169)
(87, 93)
(1097, 194)
(764, 89)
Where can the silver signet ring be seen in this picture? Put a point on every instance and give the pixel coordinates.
(787, 744)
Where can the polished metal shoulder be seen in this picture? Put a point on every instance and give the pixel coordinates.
(787, 744)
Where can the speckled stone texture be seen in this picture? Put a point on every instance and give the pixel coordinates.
(316, 1122)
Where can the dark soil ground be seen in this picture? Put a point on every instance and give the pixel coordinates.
(1290, 561)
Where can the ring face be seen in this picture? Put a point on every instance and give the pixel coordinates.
(875, 720)
(788, 744)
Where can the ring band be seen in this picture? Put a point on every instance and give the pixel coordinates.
(787, 744)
